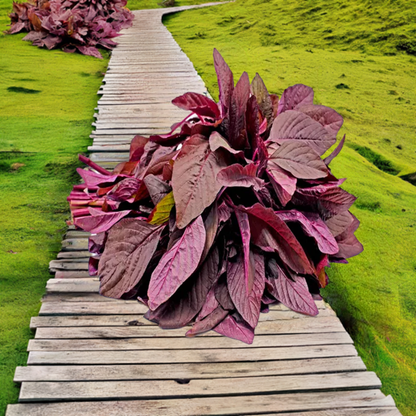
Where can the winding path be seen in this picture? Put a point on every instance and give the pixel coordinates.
(95, 356)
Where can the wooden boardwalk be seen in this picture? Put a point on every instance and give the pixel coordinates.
(95, 356)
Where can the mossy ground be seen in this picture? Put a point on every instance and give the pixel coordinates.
(46, 107)
(350, 52)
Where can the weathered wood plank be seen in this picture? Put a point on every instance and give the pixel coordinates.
(332, 338)
(174, 371)
(382, 411)
(73, 254)
(73, 285)
(55, 265)
(132, 389)
(189, 356)
(237, 406)
(72, 244)
(60, 274)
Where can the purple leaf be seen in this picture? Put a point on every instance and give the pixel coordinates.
(194, 181)
(222, 295)
(216, 141)
(198, 104)
(314, 227)
(268, 230)
(130, 246)
(208, 323)
(177, 264)
(209, 306)
(99, 221)
(94, 179)
(244, 225)
(284, 184)
(339, 223)
(124, 190)
(329, 119)
(292, 291)
(247, 304)
(156, 187)
(211, 228)
(294, 125)
(264, 101)
(335, 153)
(182, 307)
(298, 159)
(240, 331)
(294, 97)
(225, 82)
(239, 176)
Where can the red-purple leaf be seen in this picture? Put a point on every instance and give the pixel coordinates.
(314, 227)
(198, 104)
(225, 82)
(194, 181)
(244, 225)
(292, 291)
(216, 141)
(182, 307)
(327, 117)
(238, 176)
(339, 223)
(156, 187)
(268, 230)
(177, 264)
(335, 153)
(137, 148)
(264, 101)
(124, 190)
(208, 323)
(99, 221)
(247, 304)
(284, 184)
(326, 200)
(299, 159)
(222, 295)
(240, 331)
(294, 97)
(211, 228)
(294, 125)
(209, 306)
(94, 179)
(130, 245)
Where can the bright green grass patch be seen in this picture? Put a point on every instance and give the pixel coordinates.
(352, 69)
(46, 108)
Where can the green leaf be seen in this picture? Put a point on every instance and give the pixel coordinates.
(162, 210)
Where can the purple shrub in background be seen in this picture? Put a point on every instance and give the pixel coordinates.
(230, 212)
(72, 25)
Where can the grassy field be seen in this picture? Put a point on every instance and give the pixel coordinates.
(344, 50)
(46, 107)
(351, 53)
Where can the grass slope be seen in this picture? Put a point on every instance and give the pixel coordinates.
(46, 107)
(350, 52)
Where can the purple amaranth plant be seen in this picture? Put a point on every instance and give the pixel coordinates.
(232, 211)
(72, 25)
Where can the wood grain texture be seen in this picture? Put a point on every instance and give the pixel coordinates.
(236, 406)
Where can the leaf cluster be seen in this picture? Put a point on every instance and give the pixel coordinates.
(230, 212)
(72, 25)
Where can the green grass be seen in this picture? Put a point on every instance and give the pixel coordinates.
(46, 107)
(351, 53)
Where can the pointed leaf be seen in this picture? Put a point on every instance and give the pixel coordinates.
(130, 245)
(161, 212)
(99, 221)
(156, 187)
(314, 227)
(335, 153)
(292, 291)
(284, 184)
(211, 228)
(216, 141)
(210, 322)
(182, 307)
(238, 176)
(177, 264)
(209, 305)
(264, 101)
(327, 117)
(294, 125)
(194, 179)
(248, 305)
(244, 225)
(269, 230)
(339, 223)
(198, 104)
(298, 159)
(240, 331)
(294, 97)
(225, 81)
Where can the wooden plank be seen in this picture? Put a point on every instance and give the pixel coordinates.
(77, 297)
(77, 234)
(55, 265)
(188, 356)
(72, 244)
(236, 406)
(133, 390)
(73, 285)
(187, 371)
(61, 274)
(383, 411)
(73, 254)
(332, 338)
